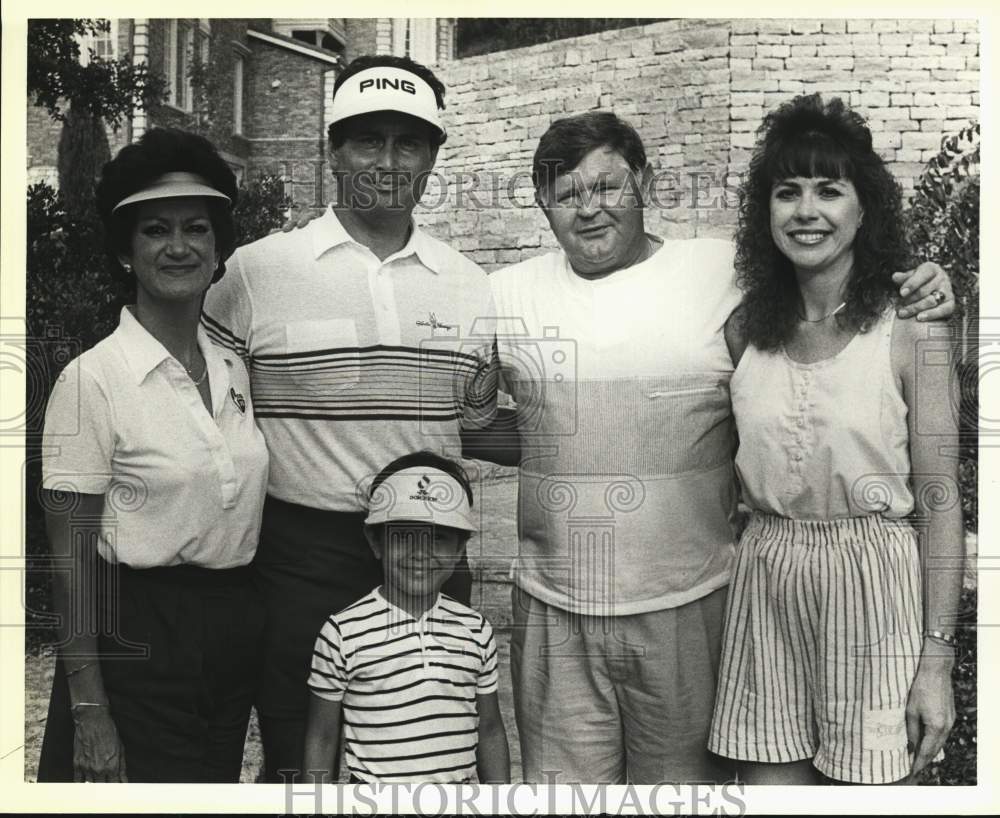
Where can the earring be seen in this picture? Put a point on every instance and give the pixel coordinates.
(127, 267)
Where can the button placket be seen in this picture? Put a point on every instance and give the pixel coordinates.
(797, 448)
(212, 433)
(384, 305)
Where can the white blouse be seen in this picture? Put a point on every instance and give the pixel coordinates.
(181, 486)
(827, 439)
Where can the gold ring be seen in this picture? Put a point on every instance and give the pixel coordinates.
(939, 297)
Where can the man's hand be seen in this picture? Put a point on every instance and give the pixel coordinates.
(926, 292)
(295, 223)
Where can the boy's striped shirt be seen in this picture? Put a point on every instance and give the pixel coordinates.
(408, 687)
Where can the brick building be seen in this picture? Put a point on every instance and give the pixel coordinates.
(263, 92)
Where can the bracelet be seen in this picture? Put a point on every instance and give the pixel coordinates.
(77, 670)
(939, 636)
(87, 704)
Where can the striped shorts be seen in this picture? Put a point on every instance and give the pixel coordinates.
(822, 642)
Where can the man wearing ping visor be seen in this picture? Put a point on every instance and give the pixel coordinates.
(357, 335)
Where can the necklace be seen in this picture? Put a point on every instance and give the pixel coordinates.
(198, 381)
(201, 380)
(823, 317)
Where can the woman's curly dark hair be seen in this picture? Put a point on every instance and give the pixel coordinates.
(136, 166)
(811, 138)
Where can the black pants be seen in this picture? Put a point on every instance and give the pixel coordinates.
(310, 564)
(180, 667)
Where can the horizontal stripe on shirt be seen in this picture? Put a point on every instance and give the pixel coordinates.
(355, 360)
(387, 682)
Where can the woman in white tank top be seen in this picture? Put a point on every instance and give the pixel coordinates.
(839, 636)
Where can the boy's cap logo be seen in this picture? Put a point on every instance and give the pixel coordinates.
(422, 493)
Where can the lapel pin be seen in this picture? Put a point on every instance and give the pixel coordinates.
(239, 400)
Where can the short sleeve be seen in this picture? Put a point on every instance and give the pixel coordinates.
(328, 675)
(79, 438)
(226, 314)
(488, 675)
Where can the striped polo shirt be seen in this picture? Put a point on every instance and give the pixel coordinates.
(355, 361)
(408, 687)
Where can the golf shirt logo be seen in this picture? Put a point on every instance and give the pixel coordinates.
(239, 400)
(433, 323)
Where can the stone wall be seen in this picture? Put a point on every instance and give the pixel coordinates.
(696, 90)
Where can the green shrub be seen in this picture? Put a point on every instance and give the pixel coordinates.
(260, 208)
(943, 217)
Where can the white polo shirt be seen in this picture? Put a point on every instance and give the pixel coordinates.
(626, 486)
(355, 361)
(181, 486)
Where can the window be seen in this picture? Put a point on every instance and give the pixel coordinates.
(177, 63)
(238, 95)
(415, 37)
(104, 44)
(183, 38)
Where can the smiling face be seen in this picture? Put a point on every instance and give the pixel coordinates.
(417, 559)
(596, 213)
(173, 248)
(814, 221)
(384, 162)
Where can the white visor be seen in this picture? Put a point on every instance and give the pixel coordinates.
(421, 495)
(171, 186)
(386, 89)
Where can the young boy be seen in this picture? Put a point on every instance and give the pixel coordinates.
(410, 672)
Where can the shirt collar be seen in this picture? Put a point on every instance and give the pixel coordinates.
(144, 353)
(328, 233)
(380, 591)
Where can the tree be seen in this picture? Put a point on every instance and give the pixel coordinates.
(98, 93)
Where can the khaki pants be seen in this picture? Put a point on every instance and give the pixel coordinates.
(616, 699)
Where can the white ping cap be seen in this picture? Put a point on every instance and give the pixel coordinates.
(383, 88)
(421, 495)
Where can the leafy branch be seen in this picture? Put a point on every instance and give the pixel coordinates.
(105, 89)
